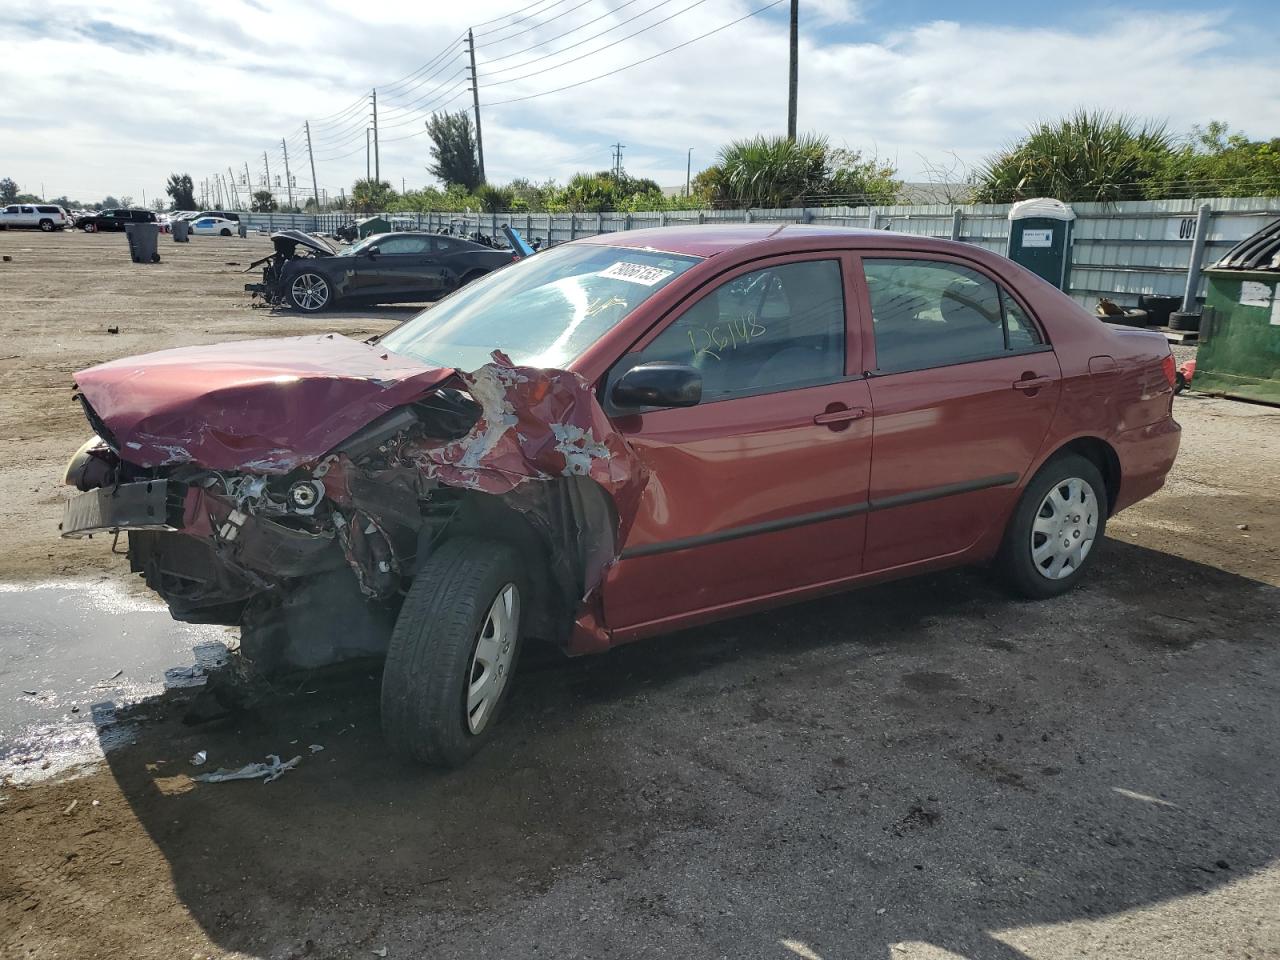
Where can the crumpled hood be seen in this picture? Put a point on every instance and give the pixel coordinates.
(260, 405)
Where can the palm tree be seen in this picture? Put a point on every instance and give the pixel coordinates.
(1082, 157)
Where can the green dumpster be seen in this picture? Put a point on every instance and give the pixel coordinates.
(371, 225)
(1239, 352)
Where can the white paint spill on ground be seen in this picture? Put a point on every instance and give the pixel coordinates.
(71, 655)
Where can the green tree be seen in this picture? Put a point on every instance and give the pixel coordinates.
(1218, 163)
(1087, 156)
(182, 191)
(773, 171)
(263, 202)
(453, 150)
(369, 196)
(495, 199)
(8, 190)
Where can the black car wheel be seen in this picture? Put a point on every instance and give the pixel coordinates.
(1056, 528)
(226, 232)
(310, 292)
(455, 644)
(46, 226)
(89, 228)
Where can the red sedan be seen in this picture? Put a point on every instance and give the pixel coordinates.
(618, 437)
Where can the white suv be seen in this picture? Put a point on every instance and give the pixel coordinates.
(43, 216)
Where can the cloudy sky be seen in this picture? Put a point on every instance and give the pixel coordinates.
(112, 96)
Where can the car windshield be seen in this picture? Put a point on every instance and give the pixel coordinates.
(543, 311)
(359, 245)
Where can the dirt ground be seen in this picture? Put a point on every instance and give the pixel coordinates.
(921, 770)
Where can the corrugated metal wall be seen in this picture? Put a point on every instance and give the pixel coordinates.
(1120, 250)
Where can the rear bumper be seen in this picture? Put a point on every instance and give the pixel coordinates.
(147, 505)
(1146, 455)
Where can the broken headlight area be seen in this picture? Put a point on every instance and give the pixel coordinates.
(312, 562)
(288, 245)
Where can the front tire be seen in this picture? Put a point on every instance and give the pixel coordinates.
(310, 292)
(1056, 528)
(452, 653)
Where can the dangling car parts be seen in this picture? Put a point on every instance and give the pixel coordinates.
(309, 273)
(676, 426)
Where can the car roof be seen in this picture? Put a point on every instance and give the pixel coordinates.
(708, 240)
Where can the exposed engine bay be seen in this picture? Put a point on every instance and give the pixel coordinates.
(311, 554)
(288, 245)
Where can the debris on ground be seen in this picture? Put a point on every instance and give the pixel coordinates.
(1242, 526)
(199, 758)
(70, 807)
(380, 952)
(32, 693)
(273, 769)
(316, 747)
(113, 329)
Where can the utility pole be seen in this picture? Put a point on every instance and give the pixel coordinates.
(795, 69)
(368, 168)
(288, 180)
(688, 169)
(377, 167)
(315, 187)
(267, 168)
(617, 160)
(475, 96)
(235, 191)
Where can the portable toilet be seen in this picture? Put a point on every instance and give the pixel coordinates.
(1040, 238)
(1239, 349)
(371, 225)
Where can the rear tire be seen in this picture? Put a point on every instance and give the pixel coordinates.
(46, 226)
(1056, 529)
(449, 641)
(226, 232)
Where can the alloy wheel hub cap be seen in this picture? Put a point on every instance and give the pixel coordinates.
(491, 662)
(1064, 529)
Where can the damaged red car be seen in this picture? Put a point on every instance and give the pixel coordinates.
(619, 437)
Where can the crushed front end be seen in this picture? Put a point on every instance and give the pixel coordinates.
(309, 546)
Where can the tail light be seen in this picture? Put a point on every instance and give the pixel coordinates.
(1170, 368)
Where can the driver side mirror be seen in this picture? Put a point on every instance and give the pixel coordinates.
(371, 251)
(658, 385)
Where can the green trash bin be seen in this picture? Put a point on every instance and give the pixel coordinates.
(1040, 238)
(1239, 350)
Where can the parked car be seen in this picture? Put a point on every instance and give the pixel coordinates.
(309, 273)
(215, 227)
(616, 438)
(114, 219)
(197, 215)
(37, 216)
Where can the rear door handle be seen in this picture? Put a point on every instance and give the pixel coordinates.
(836, 416)
(1034, 383)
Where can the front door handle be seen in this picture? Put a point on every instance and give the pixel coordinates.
(838, 416)
(1032, 383)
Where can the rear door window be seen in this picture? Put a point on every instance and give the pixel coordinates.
(932, 313)
(48, 209)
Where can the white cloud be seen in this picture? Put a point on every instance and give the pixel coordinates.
(113, 97)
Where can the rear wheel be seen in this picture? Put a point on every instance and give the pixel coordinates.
(448, 669)
(46, 226)
(1056, 528)
(226, 232)
(310, 292)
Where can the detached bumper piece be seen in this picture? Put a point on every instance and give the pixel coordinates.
(146, 505)
(261, 288)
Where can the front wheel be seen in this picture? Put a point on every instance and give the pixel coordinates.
(449, 665)
(1056, 528)
(310, 292)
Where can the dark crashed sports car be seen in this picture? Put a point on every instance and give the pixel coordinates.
(310, 273)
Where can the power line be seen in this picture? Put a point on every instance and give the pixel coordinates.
(660, 53)
(539, 26)
(545, 7)
(612, 43)
(577, 43)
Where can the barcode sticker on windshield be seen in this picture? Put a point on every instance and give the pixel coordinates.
(636, 273)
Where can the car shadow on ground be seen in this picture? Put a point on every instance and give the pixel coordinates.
(926, 761)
